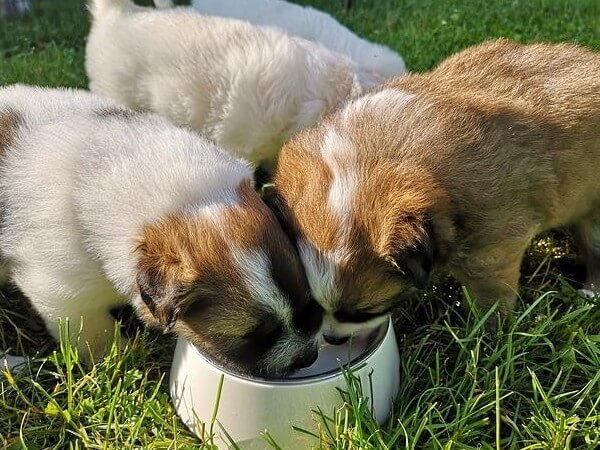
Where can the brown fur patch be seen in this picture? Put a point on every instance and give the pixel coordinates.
(186, 260)
(9, 123)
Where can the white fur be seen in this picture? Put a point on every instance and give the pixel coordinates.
(76, 190)
(331, 327)
(311, 24)
(340, 156)
(260, 283)
(247, 88)
(321, 272)
(53, 105)
(386, 101)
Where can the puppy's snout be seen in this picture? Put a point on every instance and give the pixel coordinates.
(336, 340)
(305, 360)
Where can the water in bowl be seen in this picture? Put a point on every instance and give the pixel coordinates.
(332, 357)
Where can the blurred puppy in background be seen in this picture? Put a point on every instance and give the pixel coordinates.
(247, 88)
(458, 168)
(102, 207)
(308, 23)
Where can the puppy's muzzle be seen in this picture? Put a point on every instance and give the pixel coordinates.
(305, 360)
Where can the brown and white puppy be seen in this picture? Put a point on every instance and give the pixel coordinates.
(102, 207)
(457, 168)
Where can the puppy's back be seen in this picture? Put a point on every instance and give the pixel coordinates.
(504, 118)
(39, 106)
(245, 87)
(558, 82)
(311, 24)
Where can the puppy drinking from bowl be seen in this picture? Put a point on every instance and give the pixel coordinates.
(247, 88)
(103, 207)
(457, 169)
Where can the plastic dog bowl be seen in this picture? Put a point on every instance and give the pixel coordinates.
(250, 406)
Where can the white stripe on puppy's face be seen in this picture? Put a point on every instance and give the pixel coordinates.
(256, 273)
(339, 155)
(322, 267)
(322, 273)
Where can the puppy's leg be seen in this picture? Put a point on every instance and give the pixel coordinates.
(588, 234)
(491, 274)
(55, 298)
(91, 330)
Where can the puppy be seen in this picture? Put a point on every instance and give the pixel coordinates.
(311, 24)
(247, 88)
(103, 206)
(457, 169)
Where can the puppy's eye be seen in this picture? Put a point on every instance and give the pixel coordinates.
(357, 316)
(267, 332)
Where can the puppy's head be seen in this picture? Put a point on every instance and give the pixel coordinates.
(366, 224)
(226, 277)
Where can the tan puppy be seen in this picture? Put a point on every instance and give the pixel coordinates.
(460, 167)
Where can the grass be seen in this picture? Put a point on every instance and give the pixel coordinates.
(534, 383)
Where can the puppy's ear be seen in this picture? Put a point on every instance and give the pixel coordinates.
(278, 206)
(160, 299)
(168, 269)
(411, 250)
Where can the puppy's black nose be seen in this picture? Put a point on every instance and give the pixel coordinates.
(305, 360)
(334, 340)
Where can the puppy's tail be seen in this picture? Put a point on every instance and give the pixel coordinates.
(101, 7)
(163, 3)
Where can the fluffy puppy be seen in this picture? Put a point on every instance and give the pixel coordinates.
(247, 88)
(458, 168)
(311, 24)
(103, 206)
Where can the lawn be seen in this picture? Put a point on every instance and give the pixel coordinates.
(534, 383)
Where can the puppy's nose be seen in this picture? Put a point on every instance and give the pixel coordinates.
(305, 360)
(335, 340)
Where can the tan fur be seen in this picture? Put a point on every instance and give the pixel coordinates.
(9, 123)
(498, 143)
(188, 257)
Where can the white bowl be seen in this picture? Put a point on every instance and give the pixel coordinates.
(249, 406)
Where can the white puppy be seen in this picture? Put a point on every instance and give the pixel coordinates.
(247, 88)
(102, 206)
(311, 24)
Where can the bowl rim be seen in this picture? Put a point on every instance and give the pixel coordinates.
(381, 333)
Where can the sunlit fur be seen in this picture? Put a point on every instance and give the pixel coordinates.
(247, 88)
(456, 169)
(101, 204)
(311, 24)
